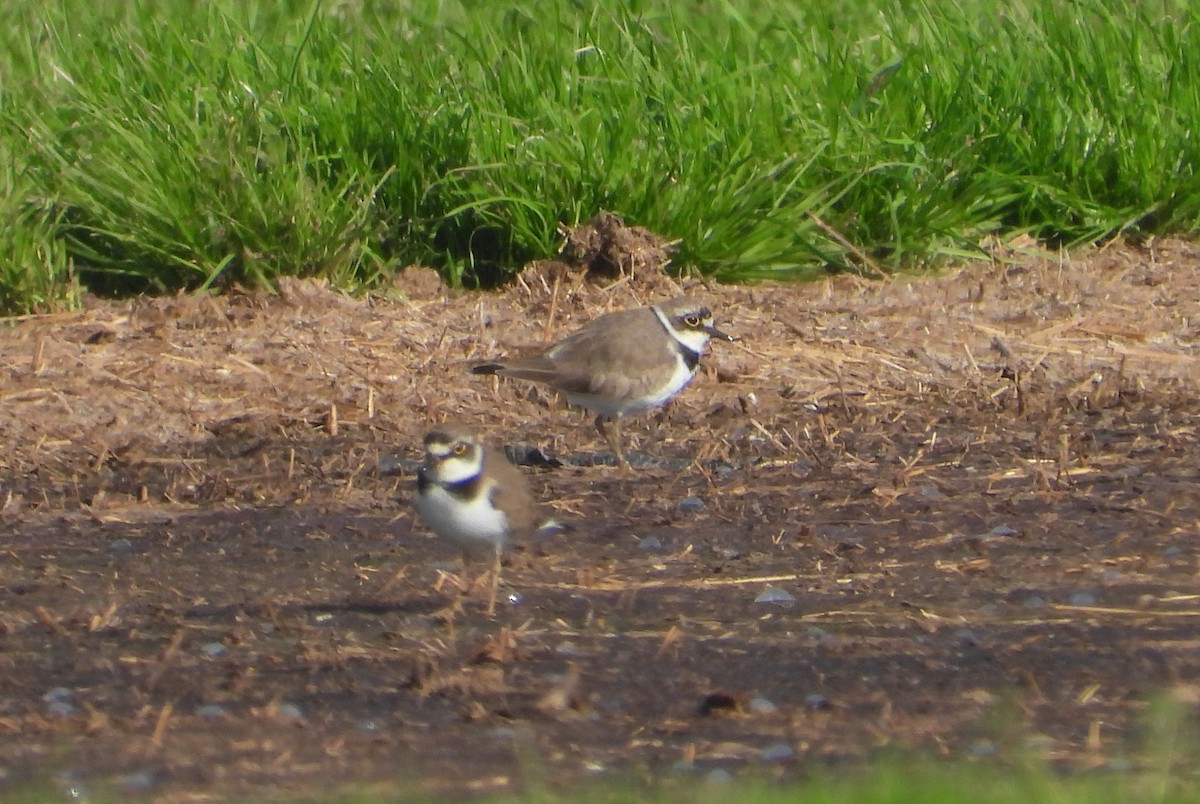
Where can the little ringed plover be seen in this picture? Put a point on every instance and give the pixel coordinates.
(620, 363)
(472, 496)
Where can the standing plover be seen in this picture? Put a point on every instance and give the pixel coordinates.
(471, 495)
(620, 363)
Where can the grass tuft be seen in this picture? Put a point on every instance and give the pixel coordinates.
(172, 144)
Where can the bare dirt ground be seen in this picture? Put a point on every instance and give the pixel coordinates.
(974, 497)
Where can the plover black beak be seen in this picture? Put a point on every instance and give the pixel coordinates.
(716, 333)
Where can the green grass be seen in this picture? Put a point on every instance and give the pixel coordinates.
(888, 783)
(1157, 766)
(174, 143)
(897, 783)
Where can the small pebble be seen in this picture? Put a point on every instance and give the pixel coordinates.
(691, 505)
(569, 649)
(289, 711)
(391, 465)
(323, 618)
(503, 733)
(136, 782)
(835, 533)
(1172, 552)
(966, 636)
(929, 492)
(822, 636)
(728, 553)
(213, 649)
(1002, 530)
(58, 694)
(761, 706)
(1034, 602)
(1083, 599)
(1042, 742)
(592, 766)
(72, 787)
(815, 700)
(61, 708)
(984, 748)
(210, 711)
(267, 628)
(777, 752)
(773, 594)
(718, 776)
(529, 455)
(650, 543)
(203, 610)
(120, 546)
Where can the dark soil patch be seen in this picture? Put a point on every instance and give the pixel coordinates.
(975, 494)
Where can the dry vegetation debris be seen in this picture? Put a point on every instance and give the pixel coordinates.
(970, 484)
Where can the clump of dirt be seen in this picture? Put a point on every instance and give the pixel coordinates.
(419, 282)
(894, 514)
(609, 249)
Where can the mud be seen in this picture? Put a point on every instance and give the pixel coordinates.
(972, 497)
